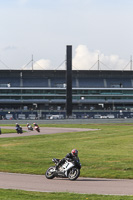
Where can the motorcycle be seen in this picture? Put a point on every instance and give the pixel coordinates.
(19, 129)
(37, 128)
(30, 128)
(70, 169)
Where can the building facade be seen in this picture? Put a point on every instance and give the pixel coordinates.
(43, 92)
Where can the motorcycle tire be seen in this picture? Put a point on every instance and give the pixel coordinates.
(50, 173)
(73, 174)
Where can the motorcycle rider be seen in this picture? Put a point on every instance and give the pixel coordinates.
(29, 126)
(36, 127)
(35, 124)
(72, 156)
(17, 125)
(18, 128)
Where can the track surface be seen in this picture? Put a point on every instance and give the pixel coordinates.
(44, 130)
(82, 185)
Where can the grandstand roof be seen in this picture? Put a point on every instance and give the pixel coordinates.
(60, 73)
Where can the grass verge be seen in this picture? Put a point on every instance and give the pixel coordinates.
(3, 131)
(23, 195)
(106, 153)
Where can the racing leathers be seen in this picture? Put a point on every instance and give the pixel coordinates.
(68, 156)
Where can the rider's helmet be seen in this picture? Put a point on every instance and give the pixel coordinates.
(27, 123)
(74, 152)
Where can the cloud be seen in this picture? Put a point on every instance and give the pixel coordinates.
(85, 59)
(10, 48)
(41, 64)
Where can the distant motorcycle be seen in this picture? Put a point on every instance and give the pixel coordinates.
(30, 128)
(19, 130)
(37, 128)
(70, 169)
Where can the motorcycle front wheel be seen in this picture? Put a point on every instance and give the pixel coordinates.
(73, 174)
(50, 173)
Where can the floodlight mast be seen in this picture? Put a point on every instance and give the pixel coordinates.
(69, 81)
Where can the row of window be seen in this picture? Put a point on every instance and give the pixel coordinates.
(63, 91)
(64, 98)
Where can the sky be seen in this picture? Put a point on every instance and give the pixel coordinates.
(100, 32)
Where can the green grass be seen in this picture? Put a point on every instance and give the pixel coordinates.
(107, 152)
(3, 131)
(23, 195)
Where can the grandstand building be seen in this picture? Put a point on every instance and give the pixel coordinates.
(42, 93)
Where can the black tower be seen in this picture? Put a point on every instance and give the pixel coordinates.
(69, 81)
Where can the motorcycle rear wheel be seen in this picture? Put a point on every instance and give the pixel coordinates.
(73, 174)
(50, 173)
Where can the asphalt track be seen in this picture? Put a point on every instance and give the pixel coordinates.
(43, 130)
(81, 185)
